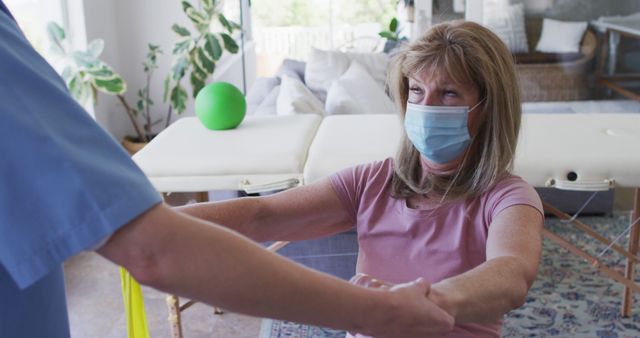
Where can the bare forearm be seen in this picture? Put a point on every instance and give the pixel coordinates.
(235, 214)
(297, 214)
(484, 294)
(210, 264)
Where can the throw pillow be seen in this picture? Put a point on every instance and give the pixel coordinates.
(324, 67)
(356, 92)
(507, 22)
(295, 98)
(261, 87)
(292, 68)
(561, 36)
(268, 105)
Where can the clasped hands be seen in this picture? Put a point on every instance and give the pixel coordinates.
(416, 311)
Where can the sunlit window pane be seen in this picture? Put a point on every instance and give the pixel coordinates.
(290, 28)
(33, 16)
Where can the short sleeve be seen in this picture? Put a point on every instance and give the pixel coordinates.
(66, 183)
(350, 184)
(508, 192)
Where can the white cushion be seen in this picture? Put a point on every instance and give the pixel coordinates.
(561, 36)
(262, 149)
(324, 67)
(343, 141)
(547, 148)
(295, 98)
(356, 92)
(507, 22)
(595, 146)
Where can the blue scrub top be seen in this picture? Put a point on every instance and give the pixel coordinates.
(66, 185)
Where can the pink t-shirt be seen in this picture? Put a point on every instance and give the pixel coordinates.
(399, 244)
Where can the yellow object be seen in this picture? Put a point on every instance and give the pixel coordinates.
(134, 306)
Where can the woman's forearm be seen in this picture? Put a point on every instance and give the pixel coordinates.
(484, 294)
(297, 214)
(236, 214)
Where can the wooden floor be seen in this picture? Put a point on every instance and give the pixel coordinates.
(96, 309)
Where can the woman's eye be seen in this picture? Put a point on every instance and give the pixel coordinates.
(450, 93)
(415, 90)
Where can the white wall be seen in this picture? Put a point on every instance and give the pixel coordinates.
(127, 26)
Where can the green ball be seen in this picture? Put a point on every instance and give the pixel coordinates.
(220, 105)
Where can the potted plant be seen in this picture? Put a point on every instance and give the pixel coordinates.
(85, 74)
(194, 54)
(392, 35)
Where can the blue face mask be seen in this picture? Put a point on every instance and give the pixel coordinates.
(440, 133)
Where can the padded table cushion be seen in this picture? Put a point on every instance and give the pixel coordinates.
(343, 141)
(262, 149)
(596, 147)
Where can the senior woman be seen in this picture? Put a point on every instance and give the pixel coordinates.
(446, 208)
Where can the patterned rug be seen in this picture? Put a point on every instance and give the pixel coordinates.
(569, 297)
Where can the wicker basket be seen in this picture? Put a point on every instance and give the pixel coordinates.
(558, 81)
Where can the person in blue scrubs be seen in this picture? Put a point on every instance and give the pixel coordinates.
(67, 186)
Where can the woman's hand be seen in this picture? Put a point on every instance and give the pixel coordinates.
(406, 300)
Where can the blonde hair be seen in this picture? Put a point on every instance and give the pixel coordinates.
(468, 54)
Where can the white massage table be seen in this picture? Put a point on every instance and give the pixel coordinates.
(588, 152)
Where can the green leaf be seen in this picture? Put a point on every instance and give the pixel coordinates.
(212, 46)
(66, 74)
(388, 35)
(180, 68)
(181, 46)
(207, 4)
(56, 37)
(85, 60)
(393, 25)
(185, 6)
(79, 89)
(199, 71)
(180, 30)
(197, 84)
(103, 72)
(112, 86)
(55, 32)
(204, 60)
(74, 85)
(225, 23)
(229, 43)
(197, 18)
(95, 48)
(179, 98)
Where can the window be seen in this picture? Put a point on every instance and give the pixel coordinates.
(33, 17)
(290, 28)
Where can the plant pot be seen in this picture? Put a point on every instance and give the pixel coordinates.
(389, 45)
(132, 145)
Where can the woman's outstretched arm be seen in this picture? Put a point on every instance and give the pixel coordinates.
(300, 213)
(487, 292)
